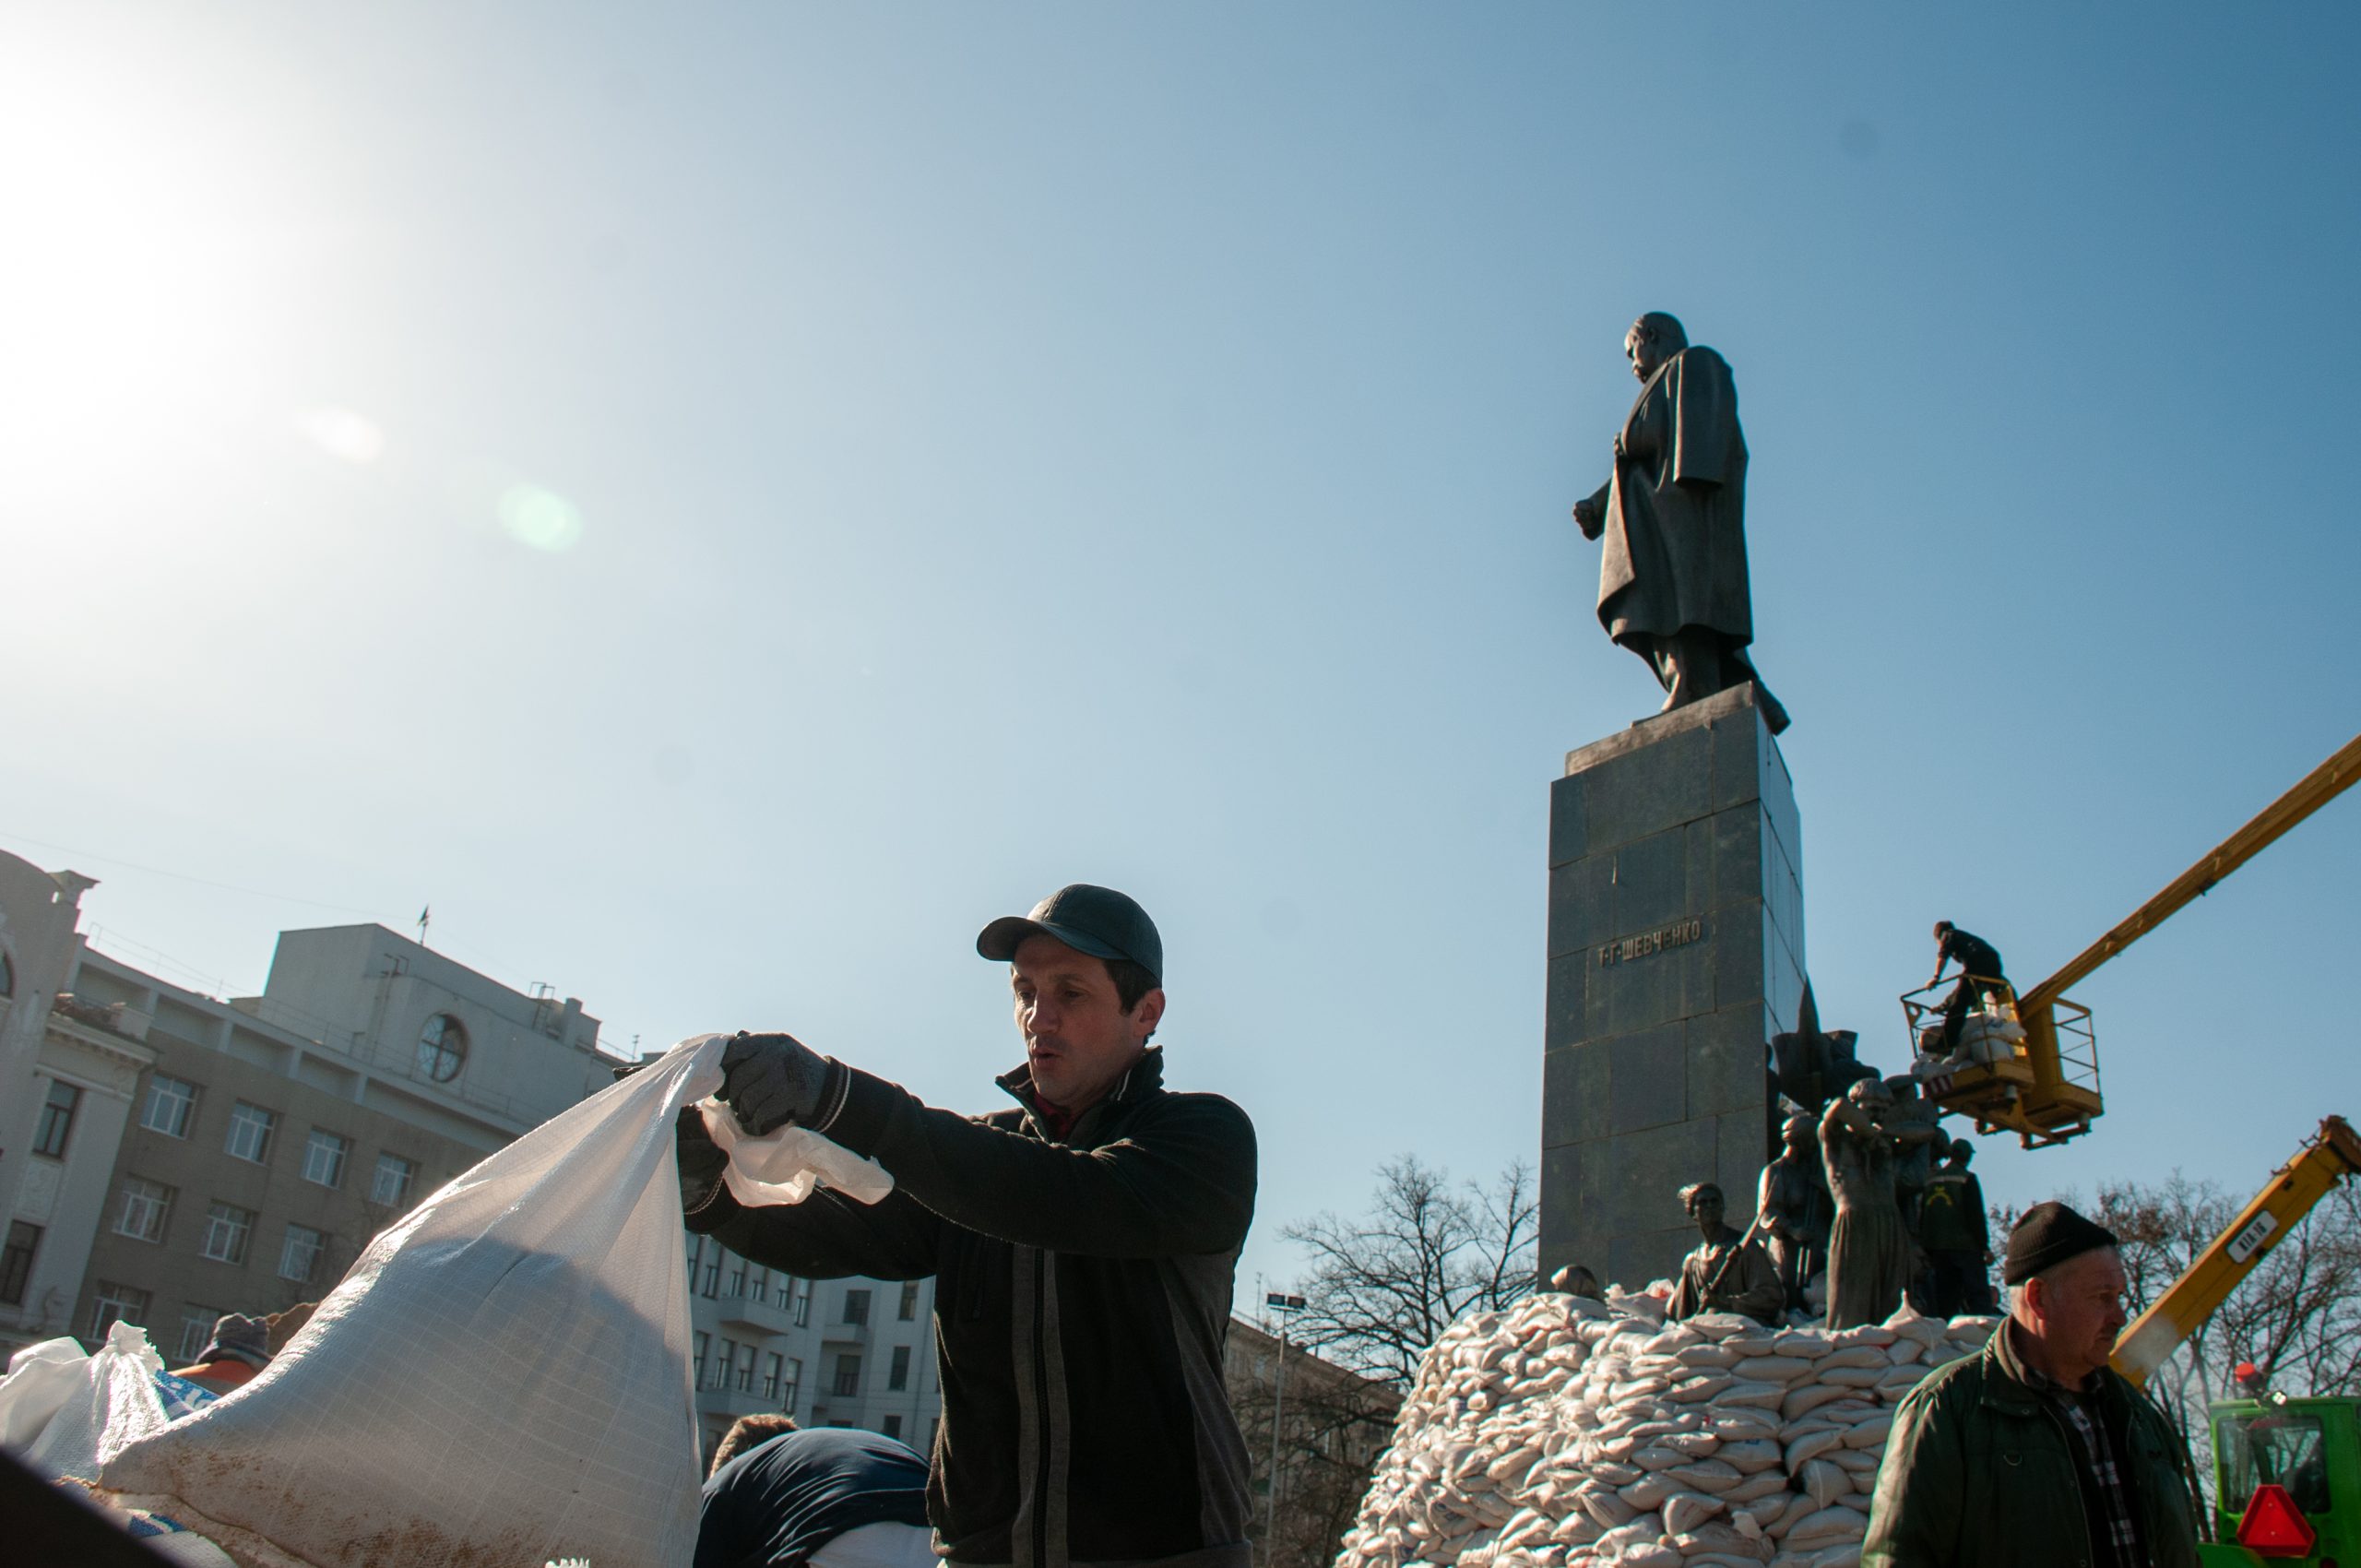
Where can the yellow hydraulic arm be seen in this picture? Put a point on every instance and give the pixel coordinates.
(2333, 1154)
(2063, 1095)
(2318, 788)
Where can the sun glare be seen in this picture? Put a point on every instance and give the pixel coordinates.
(144, 304)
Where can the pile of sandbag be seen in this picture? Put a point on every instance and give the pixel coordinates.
(1569, 1433)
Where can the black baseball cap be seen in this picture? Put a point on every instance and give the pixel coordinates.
(1096, 920)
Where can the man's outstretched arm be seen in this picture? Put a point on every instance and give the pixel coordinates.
(827, 1236)
(1181, 1183)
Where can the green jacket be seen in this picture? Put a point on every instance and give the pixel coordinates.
(1978, 1474)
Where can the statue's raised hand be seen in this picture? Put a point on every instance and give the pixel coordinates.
(1590, 517)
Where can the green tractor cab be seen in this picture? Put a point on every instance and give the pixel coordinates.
(2286, 1483)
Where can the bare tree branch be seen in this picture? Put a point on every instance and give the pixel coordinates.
(1384, 1285)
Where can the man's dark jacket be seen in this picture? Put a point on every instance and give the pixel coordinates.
(1978, 1473)
(1081, 1304)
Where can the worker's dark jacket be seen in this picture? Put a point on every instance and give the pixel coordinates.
(1081, 1302)
(1978, 1473)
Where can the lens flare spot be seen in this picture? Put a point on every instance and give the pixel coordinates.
(534, 516)
(342, 434)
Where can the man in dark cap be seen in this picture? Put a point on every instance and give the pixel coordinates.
(2034, 1451)
(1958, 1242)
(239, 1348)
(1084, 1242)
(1979, 963)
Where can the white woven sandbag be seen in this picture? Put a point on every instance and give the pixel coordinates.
(1812, 1446)
(116, 1403)
(41, 1379)
(1684, 1511)
(1829, 1527)
(1760, 1484)
(1822, 1482)
(502, 1377)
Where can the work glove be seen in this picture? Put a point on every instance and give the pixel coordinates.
(770, 1080)
(700, 1159)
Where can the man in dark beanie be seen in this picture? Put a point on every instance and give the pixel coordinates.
(2034, 1451)
(239, 1348)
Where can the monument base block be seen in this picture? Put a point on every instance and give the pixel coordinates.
(1676, 952)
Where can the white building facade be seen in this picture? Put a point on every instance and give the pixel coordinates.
(167, 1157)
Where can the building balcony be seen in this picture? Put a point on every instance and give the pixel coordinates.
(734, 1402)
(765, 1314)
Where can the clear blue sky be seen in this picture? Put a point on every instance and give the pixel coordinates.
(721, 500)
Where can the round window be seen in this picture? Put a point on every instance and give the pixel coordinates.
(442, 1048)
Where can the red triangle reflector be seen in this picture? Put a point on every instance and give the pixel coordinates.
(2273, 1525)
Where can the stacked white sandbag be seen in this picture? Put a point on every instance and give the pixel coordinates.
(1568, 1432)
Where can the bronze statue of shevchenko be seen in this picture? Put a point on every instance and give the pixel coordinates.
(1672, 582)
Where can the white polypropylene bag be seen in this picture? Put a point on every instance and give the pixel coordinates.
(41, 1379)
(502, 1378)
(115, 1404)
(787, 1164)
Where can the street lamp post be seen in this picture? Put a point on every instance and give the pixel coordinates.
(1285, 1306)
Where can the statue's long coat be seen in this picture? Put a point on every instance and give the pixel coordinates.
(1676, 551)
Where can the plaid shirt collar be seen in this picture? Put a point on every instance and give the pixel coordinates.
(2104, 1487)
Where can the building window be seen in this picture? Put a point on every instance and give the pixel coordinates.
(442, 1048)
(299, 1254)
(196, 1332)
(712, 1271)
(909, 1309)
(771, 1369)
(722, 1364)
(738, 1279)
(115, 1304)
(788, 1387)
(250, 1130)
(16, 1260)
(171, 1105)
(705, 1343)
(803, 1292)
(745, 1368)
(391, 1184)
(897, 1376)
(227, 1228)
(762, 1290)
(848, 1377)
(894, 1427)
(324, 1157)
(696, 1246)
(140, 1213)
(857, 1306)
(56, 1120)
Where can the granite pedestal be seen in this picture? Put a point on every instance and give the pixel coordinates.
(1676, 952)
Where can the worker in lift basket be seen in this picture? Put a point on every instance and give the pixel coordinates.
(2033, 1452)
(1084, 1243)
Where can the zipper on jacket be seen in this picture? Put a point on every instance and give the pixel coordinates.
(1041, 1403)
(2081, 1507)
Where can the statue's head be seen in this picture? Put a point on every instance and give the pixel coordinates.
(1902, 1087)
(1654, 338)
(1705, 1206)
(1873, 1095)
(1797, 1134)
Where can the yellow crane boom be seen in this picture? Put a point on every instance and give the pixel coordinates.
(2048, 1090)
(2315, 789)
(2332, 1155)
